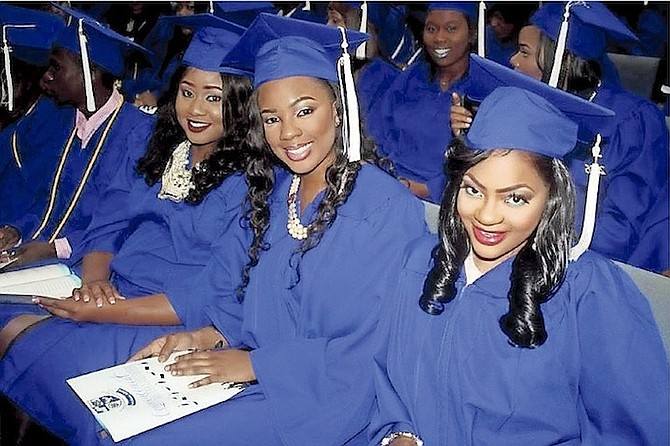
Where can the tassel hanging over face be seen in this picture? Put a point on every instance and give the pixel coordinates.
(481, 30)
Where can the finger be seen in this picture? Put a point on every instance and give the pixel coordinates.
(170, 346)
(150, 350)
(201, 382)
(456, 99)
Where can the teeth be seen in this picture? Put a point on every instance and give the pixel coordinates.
(299, 149)
(441, 52)
(197, 124)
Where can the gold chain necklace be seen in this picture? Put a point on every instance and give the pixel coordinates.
(296, 229)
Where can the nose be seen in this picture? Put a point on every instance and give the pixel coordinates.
(512, 60)
(289, 129)
(197, 107)
(47, 77)
(488, 213)
(441, 35)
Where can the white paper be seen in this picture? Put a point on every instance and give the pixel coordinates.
(131, 398)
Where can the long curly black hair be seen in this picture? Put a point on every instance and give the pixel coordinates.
(230, 154)
(340, 180)
(537, 270)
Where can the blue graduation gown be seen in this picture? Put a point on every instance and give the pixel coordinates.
(158, 242)
(130, 129)
(600, 378)
(306, 338)
(498, 51)
(412, 125)
(373, 81)
(635, 155)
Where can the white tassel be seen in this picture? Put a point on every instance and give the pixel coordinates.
(350, 121)
(560, 47)
(361, 50)
(398, 47)
(413, 58)
(86, 68)
(6, 49)
(307, 7)
(8, 69)
(211, 7)
(481, 30)
(595, 170)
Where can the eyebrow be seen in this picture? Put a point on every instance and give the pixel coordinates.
(206, 87)
(293, 103)
(502, 190)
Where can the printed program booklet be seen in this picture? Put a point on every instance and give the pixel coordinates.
(134, 397)
(56, 281)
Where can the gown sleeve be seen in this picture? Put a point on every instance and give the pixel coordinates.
(624, 373)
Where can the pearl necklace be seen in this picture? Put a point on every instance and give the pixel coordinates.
(296, 229)
(177, 178)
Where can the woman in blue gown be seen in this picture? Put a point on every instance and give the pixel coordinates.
(297, 314)
(411, 123)
(501, 334)
(635, 145)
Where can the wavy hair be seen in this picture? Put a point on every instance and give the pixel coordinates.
(228, 157)
(340, 179)
(537, 270)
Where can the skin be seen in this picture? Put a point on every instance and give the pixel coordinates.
(447, 32)
(500, 212)
(502, 29)
(526, 57)
(300, 122)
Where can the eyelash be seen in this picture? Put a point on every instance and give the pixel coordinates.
(513, 199)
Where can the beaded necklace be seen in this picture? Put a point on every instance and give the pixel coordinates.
(296, 229)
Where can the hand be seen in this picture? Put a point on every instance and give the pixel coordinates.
(202, 339)
(146, 98)
(460, 117)
(9, 237)
(34, 252)
(98, 291)
(78, 311)
(220, 365)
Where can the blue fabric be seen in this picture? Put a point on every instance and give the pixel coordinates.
(600, 378)
(31, 45)
(635, 156)
(43, 148)
(373, 80)
(306, 339)
(130, 214)
(498, 51)
(412, 125)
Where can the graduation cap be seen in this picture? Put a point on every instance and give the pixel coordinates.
(546, 122)
(95, 43)
(474, 10)
(242, 13)
(585, 28)
(213, 38)
(28, 35)
(277, 47)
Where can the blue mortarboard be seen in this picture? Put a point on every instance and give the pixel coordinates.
(213, 38)
(279, 47)
(591, 117)
(95, 43)
(591, 27)
(467, 8)
(29, 33)
(242, 13)
(586, 29)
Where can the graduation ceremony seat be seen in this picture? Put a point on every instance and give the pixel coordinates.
(637, 73)
(655, 287)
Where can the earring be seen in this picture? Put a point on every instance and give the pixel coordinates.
(337, 122)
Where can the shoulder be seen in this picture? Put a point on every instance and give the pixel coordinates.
(230, 194)
(377, 193)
